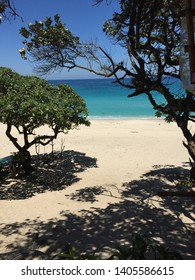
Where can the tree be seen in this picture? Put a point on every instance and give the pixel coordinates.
(7, 10)
(53, 46)
(29, 102)
(149, 31)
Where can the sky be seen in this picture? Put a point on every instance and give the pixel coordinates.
(81, 17)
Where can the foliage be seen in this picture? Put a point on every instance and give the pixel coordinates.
(52, 46)
(188, 183)
(29, 102)
(49, 41)
(139, 249)
(7, 10)
(142, 248)
(149, 32)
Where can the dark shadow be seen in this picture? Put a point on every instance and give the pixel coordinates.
(138, 210)
(160, 178)
(51, 172)
(87, 194)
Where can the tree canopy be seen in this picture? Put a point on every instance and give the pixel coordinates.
(149, 31)
(29, 102)
(52, 46)
(50, 42)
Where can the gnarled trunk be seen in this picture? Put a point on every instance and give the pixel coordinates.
(26, 161)
(21, 161)
(190, 146)
(182, 122)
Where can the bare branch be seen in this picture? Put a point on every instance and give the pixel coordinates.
(8, 10)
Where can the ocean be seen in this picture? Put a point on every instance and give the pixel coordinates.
(105, 99)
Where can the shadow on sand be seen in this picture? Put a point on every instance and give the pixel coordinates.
(135, 209)
(52, 172)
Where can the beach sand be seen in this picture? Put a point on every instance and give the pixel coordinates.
(100, 190)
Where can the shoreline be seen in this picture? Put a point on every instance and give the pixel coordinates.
(125, 118)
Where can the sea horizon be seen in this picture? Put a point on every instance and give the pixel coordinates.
(108, 100)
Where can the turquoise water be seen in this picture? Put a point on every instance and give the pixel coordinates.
(105, 99)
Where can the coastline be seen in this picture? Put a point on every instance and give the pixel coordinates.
(102, 190)
(119, 118)
(122, 118)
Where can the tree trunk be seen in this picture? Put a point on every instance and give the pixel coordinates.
(190, 146)
(26, 161)
(182, 122)
(21, 161)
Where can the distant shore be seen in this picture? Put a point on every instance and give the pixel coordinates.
(123, 118)
(102, 190)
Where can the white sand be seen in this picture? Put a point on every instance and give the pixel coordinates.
(112, 160)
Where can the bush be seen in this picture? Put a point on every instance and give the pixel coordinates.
(29, 102)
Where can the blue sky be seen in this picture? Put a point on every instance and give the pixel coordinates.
(80, 16)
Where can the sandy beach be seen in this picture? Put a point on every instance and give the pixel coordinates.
(99, 188)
